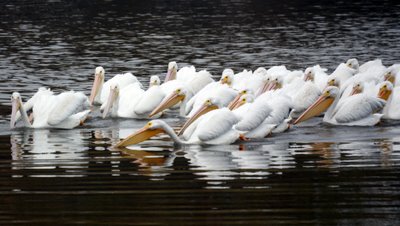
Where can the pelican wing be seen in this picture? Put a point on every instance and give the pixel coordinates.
(256, 114)
(66, 104)
(198, 82)
(394, 105)
(306, 96)
(216, 124)
(358, 107)
(149, 100)
(186, 74)
(122, 80)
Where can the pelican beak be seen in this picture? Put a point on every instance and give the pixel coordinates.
(354, 91)
(171, 75)
(238, 104)
(225, 80)
(95, 88)
(319, 106)
(307, 77)
(273, 86)
(141, 135)
(384, 93)
(110, 102)
(203, 110)
(389, 77)
(264, 88)
(233, 103)
(331, 83)
(168, 102)
(16, 105)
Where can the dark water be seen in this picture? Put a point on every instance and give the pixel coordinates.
(315, 174)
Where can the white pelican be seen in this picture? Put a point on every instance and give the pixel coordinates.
(341, 74)
(214, 128)
(372, 71)
(392, 73)
(154, 81)
(270, 75)
(392, 96)
(353, 64)
(356, 110)
(101, 89)
(132, 101)
(178, 94)
(66, 110)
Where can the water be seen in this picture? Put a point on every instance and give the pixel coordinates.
(314, 174)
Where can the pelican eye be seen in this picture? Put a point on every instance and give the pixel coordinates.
(149, 124)
(244, 91)
(178, 90)
(327, 92)
(244, 100)
(276, 79)
(385, 86)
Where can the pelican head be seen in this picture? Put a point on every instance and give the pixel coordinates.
(112, 99)
(172, 70)
(149, 130)
(16, 103)
(266, 80)
(208, 105)
(260, 71)
(227, 76)
(353, 63)
(333, 82)
(174, 98)
(309, 74)
(154, 81)
(246, 98)
(385, 90)
(233, 103)
(390, 74)
(320, 105)
(275, 82)
(97, 84)
(358, 87)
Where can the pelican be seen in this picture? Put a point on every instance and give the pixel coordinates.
(213, 129)
(357, 110)
(66, 110)
(392, 96)
(182, 93)
(101, 90)
(132, 101)
(372, 71)
(392, 73)
(342, 73)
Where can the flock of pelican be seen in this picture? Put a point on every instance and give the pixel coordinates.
(244, 106)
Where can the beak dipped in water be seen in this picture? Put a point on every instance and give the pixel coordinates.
(16, 105)
(141, 135)
(319, 106)
(114, 92)
(95, 88)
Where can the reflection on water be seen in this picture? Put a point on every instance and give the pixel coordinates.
(314, 174)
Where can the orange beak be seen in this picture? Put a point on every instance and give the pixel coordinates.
(168, 102)
(319, 106)
(139, 136)
(203, 110)
(16, 105)
(384, 94)
(95, 88)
